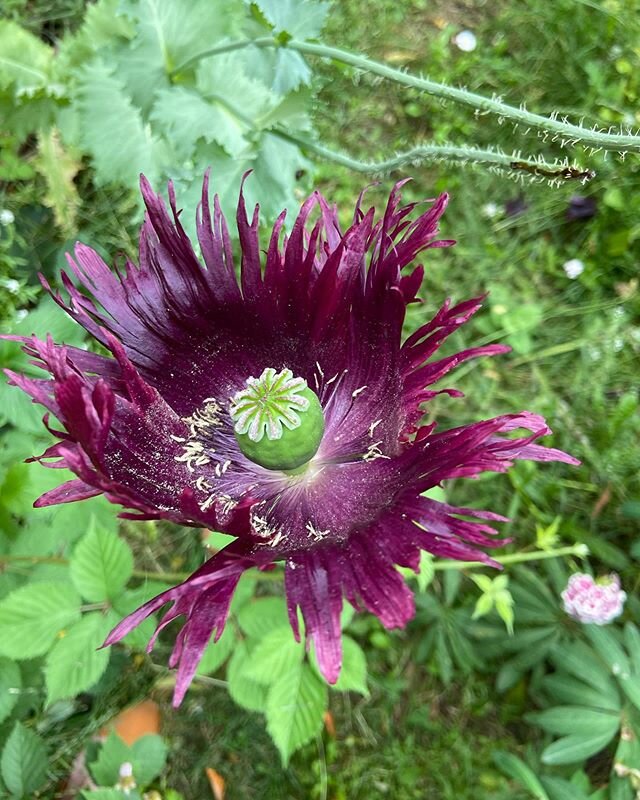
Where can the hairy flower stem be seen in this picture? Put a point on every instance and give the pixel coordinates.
(559, 130)
(462, 154)
(579, 550)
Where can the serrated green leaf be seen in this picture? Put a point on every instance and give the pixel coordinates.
(25, 60)
(184, 117)
(216, 653)
(75, 664)
(295, 707)
(10, 686)
(101, 565)
(246, 692)
(113, 131)
(167, 33)
(32, 616)
(299, 18)
(353, 673)
(223, 80)
(576, 747)
(59, 166)
(569, 719)
(106, 768)
(148, 757)
(263, 615)
(514, 767)
(275, 655)
(24, 761)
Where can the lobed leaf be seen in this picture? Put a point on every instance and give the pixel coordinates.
(101, 565)
(295, 707)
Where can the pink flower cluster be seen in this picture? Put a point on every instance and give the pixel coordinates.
(593, 602)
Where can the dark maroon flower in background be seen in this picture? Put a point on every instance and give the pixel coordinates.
(155, 427)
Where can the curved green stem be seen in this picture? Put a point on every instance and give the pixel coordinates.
(557, 130)
(580, 550)
(535, 168)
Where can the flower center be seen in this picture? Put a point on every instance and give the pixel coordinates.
(278, 420)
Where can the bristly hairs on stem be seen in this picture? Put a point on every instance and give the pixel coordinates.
(552, 128)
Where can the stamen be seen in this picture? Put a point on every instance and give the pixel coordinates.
(373, 452)
(314, 533)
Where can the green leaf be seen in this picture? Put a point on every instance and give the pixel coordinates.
(24, 761)
(569, 719)
(275, 655)
(32, 616)
(261, 616)
(25, 60)
(514, 767)
(632, 642)
(184, 117)
(578, 659)
(106, 768)
(560, 789)
(101, 565)
(59, 167)
(353, 674)
(148, 757)
(105, 794)
(246, 692)
(10, 686)
(609, 648)
(576, 747)
(301, 19)
(568, 689)
(167, 33)
(75, 664)
(112, 129)
(216, 653)
(295, 707)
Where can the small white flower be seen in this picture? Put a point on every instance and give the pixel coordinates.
(490, 210)
(6, 217)
(11, 285)
(127, 782)
(21, 314)
(573, 268)
(465, 41)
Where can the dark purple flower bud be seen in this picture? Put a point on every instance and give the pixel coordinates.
(305, 348)
(516, 206)
(581, 207)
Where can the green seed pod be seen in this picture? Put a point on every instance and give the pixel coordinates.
(278, 420)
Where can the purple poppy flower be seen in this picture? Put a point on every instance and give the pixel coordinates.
(282, 408)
